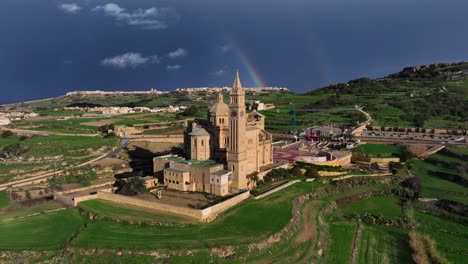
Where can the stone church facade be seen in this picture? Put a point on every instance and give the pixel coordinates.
(230, 137)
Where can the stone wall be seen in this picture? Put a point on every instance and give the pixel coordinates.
(332, 173)
(206, 214)
(384, 160)
(192, 213)
(214, 210)
(276, 189)
(64, 199)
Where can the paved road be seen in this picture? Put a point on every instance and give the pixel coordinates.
(409, 141)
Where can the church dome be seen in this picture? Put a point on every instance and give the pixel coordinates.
(219, 108)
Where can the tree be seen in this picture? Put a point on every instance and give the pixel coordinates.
(311, 172)
(253, 179)
(7, 134)
(414, 185)
(394, 167)
(132, 186)
(296, 171)
(406, 155)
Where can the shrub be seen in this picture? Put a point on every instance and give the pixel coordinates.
(276, 174)
(133, 186)
(7, 133)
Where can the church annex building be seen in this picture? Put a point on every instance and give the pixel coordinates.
(219, 152)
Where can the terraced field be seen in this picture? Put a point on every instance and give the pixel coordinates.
(42, 232)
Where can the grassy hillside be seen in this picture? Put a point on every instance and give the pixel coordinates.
(436, 97)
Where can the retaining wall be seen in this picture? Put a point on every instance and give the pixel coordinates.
(223, 206)
(276, 189)
(64, 199)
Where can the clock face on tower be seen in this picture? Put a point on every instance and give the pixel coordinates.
(233, 113)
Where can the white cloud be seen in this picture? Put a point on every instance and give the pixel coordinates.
(70, 8)
(129, 59)
(225, 48)
(178, 53)
(220, 72)
(173, 67)
(152, 18)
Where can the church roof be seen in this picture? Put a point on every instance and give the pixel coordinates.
(199, 132)
(237, 83)
(219, 108)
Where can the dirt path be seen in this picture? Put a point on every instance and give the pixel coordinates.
(356, 241)
(306, 237)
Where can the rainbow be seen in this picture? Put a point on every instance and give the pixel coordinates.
(247, 65)
(316, 54)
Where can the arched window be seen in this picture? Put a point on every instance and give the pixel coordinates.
(202, 142)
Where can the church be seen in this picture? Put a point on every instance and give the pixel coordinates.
(220, 152)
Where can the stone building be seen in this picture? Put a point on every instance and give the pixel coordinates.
(233, 142)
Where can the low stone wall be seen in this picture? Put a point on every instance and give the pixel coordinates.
(160, 138)
(64, 199)
(362, 175)
(384, 160)
(206, 214)
(276, 189)
(193, 213)
(331, 173)
(109, 183)
(223, 206)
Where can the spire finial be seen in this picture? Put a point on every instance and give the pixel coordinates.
(237, 83)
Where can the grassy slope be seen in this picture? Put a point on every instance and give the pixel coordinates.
(384, 245)
(341, 239)
(8, 141)
(240, 224)
(451, 237)
(380, 150)
(387, 206)
(36, 209)
(434, 186)
(42, 232)
(130, 213)
(3, 199)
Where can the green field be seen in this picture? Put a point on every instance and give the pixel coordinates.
(380, 244)
(451, 237)
(434, 180)
(72, 146)
(8, 141)
(380, 150)
(41, 232)
(22, 211)
(3, 199)
(463, 151)
(341, 239)
(386, 206)
(230, 228)
(130, 213)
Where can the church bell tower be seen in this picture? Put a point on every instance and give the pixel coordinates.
(237, 156)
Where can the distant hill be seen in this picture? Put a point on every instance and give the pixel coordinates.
(434, 95)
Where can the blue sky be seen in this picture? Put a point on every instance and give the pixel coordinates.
(48, 48)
